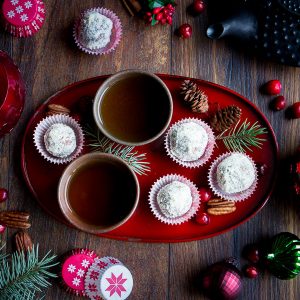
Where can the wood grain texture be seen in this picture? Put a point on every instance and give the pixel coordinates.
(50, 60)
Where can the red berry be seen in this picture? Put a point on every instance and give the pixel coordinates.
(156, 10)
(148, 14)
(169, 20)
(185, 31)
(205, 194)
(170, 7)
(251, 272)
(296, 110)
(199, 6)
(273, 87)
(202, 218)
(163, 21)
(252, 253)
(2, 229)
(159, 16)
(279, 103)
(3, 195)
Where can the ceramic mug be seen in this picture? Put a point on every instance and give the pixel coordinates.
(165, 101)
(132, 189)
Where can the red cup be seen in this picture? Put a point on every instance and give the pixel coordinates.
(23, 18)
(12, 94)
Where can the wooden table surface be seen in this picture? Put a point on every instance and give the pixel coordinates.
(49, 61)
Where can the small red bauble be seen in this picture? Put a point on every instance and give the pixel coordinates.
(199, 6)
(296, 110)
(252, 253)
(2, 229)
(273, 87)
(251, 272)
(205, 194)
(279, 103)
(185, 31)
(202, 219)
(3, 195)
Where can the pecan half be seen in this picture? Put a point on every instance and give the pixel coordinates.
(23, 241)
(56, 109)
(15, 219)
(220, 207)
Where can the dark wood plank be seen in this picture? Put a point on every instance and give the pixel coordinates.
(50, 60)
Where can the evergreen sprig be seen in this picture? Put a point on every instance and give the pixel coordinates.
(243, 137)
(98, 142)
(23, 275)
(159, 3)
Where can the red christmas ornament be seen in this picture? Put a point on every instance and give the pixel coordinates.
(273, 87)
(222, 281)
(202, 218)
(251, 271)
(296, 110)
(279, 103)
(199, 6)
(185, 31)
(205, 194)
(3, 195)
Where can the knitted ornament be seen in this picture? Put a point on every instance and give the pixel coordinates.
(222, 281)
(194, 96)
(226, 117)
(283, 256)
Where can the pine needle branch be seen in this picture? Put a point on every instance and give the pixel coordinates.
(243, 137)
(22, 276)
(98, 142)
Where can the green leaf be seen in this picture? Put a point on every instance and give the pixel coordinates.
(244, 137)
(153, 22)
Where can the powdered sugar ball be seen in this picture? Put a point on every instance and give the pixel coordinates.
(95, 30)
(188, 141)
(174, 199)
(236, 173)
(60, 140)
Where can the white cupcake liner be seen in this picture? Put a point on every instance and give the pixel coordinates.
(212, 180)
(40, 132)
(207, 153)
(161, 182)
(115, 37)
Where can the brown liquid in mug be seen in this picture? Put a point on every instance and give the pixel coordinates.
(135, 109)
(101, 193)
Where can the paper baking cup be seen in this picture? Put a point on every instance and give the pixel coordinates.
(114, 38)
(212, 180)
(208, 151)
(74, 268)
(40, 132)
(161, 182)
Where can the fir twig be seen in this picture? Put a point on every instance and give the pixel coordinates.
(98, 142)
(243, 137)
(2, 255)
(22, 276)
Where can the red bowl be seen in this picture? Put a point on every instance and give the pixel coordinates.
(12, 94)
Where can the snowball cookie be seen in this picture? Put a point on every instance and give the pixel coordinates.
(188, 141)
(60, 140)
(236, 173)
(174, 199)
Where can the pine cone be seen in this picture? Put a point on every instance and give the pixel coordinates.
(226, 117)
(194, 96)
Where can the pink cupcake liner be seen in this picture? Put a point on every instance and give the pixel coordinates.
(161, 182)
(43, 126)
(208, 151)
(212, 180)
(115, 36)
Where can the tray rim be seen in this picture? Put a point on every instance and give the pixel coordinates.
(255, 211)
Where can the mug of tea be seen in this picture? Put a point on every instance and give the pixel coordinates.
(133, 107)
(98, 192)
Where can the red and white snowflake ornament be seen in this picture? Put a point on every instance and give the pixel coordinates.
(108, 279)
(23, 18)
(74, 270)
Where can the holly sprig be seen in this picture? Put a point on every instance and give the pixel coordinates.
(159, 3)
(155, 8)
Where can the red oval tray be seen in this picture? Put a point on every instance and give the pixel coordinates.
(42, 178)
